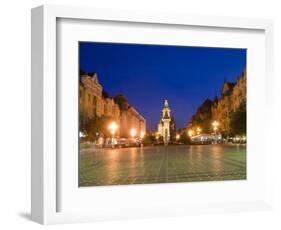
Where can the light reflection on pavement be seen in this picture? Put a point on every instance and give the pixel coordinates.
(160, 164)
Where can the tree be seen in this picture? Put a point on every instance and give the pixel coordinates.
(91, 128)
(82, 121)
(103, 125)
(121, 101)
(173, 129)
(82, 72)
(238, 121)
(95, 127)
(160, 140)
(149, 140)
(203, 117)
(105, 94)
(184, 138)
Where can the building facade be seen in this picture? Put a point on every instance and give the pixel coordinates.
(222, 107)
(239, 94)
(233, 96)
(131, 119)
(94, 103)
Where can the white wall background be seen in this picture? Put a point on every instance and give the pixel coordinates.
(15, 112)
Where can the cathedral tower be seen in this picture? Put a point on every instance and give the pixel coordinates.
(164, 124)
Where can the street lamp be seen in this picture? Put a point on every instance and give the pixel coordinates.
(142, 134)
(113, 128)
(198, 130)
(190, 133)
(133, 132)
(177, 137)
(215, 125)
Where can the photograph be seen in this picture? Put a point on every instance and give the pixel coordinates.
(153, 114)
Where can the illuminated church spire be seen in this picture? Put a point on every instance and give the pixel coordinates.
(164, 123)
(166, 103)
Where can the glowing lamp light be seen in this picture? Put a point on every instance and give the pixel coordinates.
(81, 134)
(113, 127)
(142, 134)
(190, 133)
(215, 125)
(133, 132)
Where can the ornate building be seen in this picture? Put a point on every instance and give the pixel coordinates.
(239, 92)
(94, 102)
(166, 125)
(222, 108)
(233, 96)
(129, 118)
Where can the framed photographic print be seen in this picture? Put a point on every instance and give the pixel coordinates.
(146, 131)
(140, 115)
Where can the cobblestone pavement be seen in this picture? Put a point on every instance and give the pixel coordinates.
(162, 164)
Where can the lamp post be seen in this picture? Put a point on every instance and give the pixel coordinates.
(198, 130)
(113, 128)
(215, 125)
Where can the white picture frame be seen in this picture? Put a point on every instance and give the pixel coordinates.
(46, 181)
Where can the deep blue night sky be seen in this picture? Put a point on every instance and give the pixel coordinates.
(149, 74)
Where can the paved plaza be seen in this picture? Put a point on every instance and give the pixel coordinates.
(160, 164)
